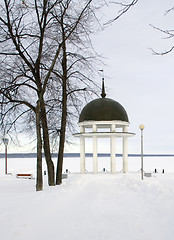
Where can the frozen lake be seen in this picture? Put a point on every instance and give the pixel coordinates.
(17, 165)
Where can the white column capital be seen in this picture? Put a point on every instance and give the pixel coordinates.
(82, 129)
(112, 127)
(125, 128)
(94, 128)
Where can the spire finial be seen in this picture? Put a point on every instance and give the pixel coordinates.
(103, 94)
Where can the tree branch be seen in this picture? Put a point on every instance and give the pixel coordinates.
(125, 8)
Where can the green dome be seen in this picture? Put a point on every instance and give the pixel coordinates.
(103, 109)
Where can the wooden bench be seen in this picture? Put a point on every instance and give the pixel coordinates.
(24, 175)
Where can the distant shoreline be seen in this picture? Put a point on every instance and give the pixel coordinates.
(73, 155)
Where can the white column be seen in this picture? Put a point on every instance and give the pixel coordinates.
(112, 150)
(125, 151)
(95, 161)
(82, 151)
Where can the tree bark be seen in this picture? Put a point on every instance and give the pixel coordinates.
(46, 144)
(39, 179)
(64, 111)
(62, 137)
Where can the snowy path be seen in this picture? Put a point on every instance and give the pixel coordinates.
(87, 207)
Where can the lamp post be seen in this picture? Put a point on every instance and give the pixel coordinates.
(5, 141)
(141, 128)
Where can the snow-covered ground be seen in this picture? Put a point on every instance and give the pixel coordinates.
(98, 207)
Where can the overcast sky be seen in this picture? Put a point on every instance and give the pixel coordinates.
(141, 82)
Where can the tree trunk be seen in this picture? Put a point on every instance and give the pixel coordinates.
(62, 131)
(46, 145)
(39, 179)
(64, 111)
(61, 142)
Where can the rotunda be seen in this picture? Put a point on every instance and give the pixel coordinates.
(104, 113)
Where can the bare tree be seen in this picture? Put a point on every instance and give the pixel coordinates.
(41, 50)
(74, 64)
(24, 48)
(30, 53)
(39, 182)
